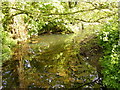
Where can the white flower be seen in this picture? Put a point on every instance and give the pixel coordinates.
(105, 39)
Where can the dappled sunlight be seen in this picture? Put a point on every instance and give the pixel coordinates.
(53, 63)
(56, 44)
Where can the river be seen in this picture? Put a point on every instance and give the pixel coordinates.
(50, 61)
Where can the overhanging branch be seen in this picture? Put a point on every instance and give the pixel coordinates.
(98, 20)
(69, 13)
(109, 15)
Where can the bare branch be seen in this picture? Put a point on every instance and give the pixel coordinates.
(89, 83)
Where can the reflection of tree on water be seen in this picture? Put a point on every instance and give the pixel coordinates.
(13, 70)
(54, 66)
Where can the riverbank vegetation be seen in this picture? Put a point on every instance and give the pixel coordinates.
(96, 21)
(109, 40)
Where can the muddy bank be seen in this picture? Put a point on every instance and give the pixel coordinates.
(91, 52)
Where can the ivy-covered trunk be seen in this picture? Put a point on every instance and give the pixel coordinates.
(14, 24)
(19, 30)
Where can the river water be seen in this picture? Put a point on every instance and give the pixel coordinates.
(50, 61)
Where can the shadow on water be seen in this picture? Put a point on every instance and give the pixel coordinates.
(49, 61)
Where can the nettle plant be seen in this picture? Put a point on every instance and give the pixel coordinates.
(108, 39)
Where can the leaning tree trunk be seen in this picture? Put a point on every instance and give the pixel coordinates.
(19, 30)
(16, 26)
(13, 24)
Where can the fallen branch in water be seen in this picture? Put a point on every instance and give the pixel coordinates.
(89, 83)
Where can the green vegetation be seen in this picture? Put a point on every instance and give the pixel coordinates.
(72, 31)
(7, 45)
(108, 39)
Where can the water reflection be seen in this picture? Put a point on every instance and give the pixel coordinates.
(50, 61)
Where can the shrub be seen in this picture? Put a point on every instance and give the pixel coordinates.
(6, 45)
(108, 39)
